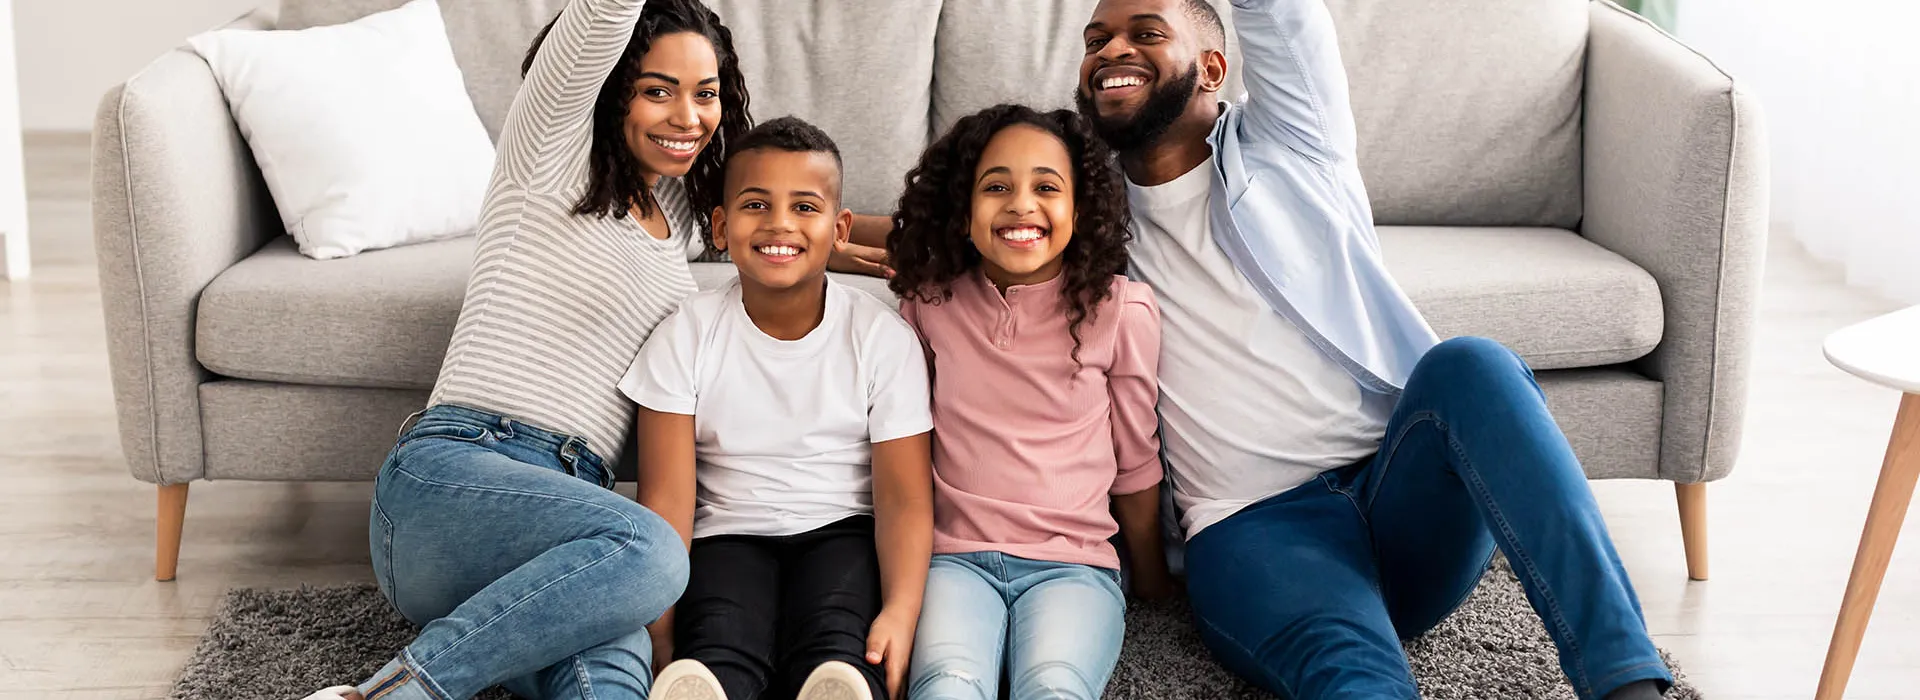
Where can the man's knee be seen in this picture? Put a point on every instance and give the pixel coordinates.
(1475, 364)
(1471, 354)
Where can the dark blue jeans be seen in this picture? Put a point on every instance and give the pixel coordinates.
(1309, 593)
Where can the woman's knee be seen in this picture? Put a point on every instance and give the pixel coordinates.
(654, 565)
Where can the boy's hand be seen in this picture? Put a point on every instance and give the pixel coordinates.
(891, 643)
(662, 654)
(859, 259)
(661, 633)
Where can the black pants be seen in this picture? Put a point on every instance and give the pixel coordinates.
(763, 612)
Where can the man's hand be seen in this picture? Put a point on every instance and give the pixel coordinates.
(891, 643)
(859, 259)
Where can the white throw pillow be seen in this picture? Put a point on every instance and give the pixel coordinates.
(364, 131)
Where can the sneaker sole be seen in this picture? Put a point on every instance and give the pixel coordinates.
(835, 680)
(835, 689)
(695, 684)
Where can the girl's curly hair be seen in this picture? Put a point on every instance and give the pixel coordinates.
(930, 245)
(614, 174)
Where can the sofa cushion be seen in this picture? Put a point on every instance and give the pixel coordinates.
(378, 319)
(381, 319)
(1556, 298)
(489, 38)
(1468, 111)
(861, 71)
(1033, 59)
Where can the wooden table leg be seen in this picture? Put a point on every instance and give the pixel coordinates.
(1884, 518)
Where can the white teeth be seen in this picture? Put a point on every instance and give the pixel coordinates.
(682, 146)
(1021, 235)
(778, 250)
(1124, 81)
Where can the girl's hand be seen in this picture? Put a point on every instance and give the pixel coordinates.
(891, 643)
(1152, 583)
(859, 259)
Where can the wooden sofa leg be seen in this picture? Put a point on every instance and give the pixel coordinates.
(1693, 526)
(172, 518)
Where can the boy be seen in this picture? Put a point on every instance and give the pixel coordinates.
(800, 407)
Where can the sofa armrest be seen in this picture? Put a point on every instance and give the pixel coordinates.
(1676, 181)
(177, 199)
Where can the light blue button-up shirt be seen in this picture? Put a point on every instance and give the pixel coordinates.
(1288, 204)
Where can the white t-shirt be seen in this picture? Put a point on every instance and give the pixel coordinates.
(783, 430)
(1249, 407)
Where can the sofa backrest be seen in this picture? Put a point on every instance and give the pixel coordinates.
(1468, 110)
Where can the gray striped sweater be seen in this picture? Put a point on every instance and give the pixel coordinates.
(558, 305)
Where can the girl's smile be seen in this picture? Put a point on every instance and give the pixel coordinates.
(1022, 208)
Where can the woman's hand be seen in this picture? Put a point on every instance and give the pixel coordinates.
(858, 259)
(891, 643)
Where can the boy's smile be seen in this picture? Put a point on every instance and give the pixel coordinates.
(781, 217)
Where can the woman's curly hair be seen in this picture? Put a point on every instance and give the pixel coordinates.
(615, 181)
(930, 245)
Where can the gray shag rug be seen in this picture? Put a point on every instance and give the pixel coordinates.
(283, 644)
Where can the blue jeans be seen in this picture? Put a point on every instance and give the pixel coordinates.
(1059, 627)
(1308, 593)
(524, 569)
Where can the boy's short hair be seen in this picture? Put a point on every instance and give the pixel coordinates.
(793, 135)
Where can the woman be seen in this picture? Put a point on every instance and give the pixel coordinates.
(494, 526)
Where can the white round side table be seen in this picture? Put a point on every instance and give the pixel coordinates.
(1885, 351)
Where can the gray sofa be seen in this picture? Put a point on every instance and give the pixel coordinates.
(1557, 175)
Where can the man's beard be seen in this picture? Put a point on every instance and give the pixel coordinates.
(1164, 106)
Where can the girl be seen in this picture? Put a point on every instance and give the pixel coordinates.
(1006, 249)
(494, 526)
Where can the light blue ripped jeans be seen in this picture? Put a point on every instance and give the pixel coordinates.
(507, 545)
(1058, 627)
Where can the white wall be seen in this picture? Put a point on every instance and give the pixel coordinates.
(1836, 80)
(71, 51)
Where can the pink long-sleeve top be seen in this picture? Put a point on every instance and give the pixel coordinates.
(1028, 446)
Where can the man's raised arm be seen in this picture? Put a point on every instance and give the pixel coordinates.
(1296, 84)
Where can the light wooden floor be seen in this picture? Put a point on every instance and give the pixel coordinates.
(81, 617)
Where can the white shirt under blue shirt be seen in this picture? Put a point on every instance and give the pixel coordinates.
(1274, 232)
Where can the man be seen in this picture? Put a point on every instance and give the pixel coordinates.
(1342, 478)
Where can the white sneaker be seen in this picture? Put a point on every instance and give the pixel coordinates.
(338, 692)
(687, 679)
(835, 680)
